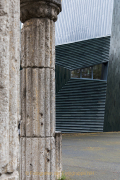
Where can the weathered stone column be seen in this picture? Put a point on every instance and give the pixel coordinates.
(58, 152)
(112, 109)
(9, 88)
(38, 89)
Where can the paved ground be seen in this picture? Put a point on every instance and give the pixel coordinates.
(91, 156)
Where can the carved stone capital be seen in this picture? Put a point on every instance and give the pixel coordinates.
(39, 9)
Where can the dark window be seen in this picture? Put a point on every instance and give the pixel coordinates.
(86, 73)
(97, 71)
(75, 73)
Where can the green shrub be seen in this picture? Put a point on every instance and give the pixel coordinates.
(63, 177)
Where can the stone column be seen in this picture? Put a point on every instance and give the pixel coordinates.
(9, 88)
(38, 89)
(112, 108)
(58, 152)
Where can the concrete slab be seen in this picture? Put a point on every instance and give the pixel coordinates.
(91, 156)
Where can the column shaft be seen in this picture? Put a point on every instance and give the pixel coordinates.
(14, 83)
(38, 89)
(38, 78)
(9, 88)
(4, 86)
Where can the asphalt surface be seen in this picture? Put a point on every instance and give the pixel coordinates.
(91, 156)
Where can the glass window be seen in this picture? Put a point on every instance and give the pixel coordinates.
(75, 73)
(94, 72)
(97, 71)
(86, 73)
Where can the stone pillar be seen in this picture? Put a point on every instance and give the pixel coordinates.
(38, 89)
(9, 88)
(112, 108)
(58, 152)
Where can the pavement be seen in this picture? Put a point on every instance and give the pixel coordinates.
(91, 156)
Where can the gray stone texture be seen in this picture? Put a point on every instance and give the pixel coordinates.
(38, 43)
(38, 156)
(40, 9)
(14, 80)
(13, 176)
(58, 154)
(112, 110)
(9, 88)
(38, 102)
(4, 86)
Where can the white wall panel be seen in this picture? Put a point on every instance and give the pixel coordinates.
(83, 19)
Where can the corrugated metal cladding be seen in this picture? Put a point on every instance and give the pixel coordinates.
(83, 53)
(83, 19)
(62, 75)
(80, 103)
(80, 106)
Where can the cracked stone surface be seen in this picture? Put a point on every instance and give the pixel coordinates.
(9, 87)
(38, 157)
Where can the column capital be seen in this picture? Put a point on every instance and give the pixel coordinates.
(39, 9)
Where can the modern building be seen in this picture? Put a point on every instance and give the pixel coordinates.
(82, 53)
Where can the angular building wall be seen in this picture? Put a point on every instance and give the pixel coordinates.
(112, 111)
(83, 19)
(62, 75)
(80, 103)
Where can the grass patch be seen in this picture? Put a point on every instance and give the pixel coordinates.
(63, 177)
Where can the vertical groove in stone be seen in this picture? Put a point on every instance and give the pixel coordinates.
(47, 42)
(47, 102)
(52, 44)
(52, 102)
(35, 46)
(30, 48)
(35, 152)
(47, 158)
(60, 161)
(41, 163)
(35, 107)
(20, 169)
(41, 101)
(23, 42)
(23, 159)
(27, 44)
(41, 43)
(23, 102)
(52, 159)
(58, 152)
(29, 108)
(29, 165)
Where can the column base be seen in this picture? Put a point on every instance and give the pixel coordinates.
(37, 158)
